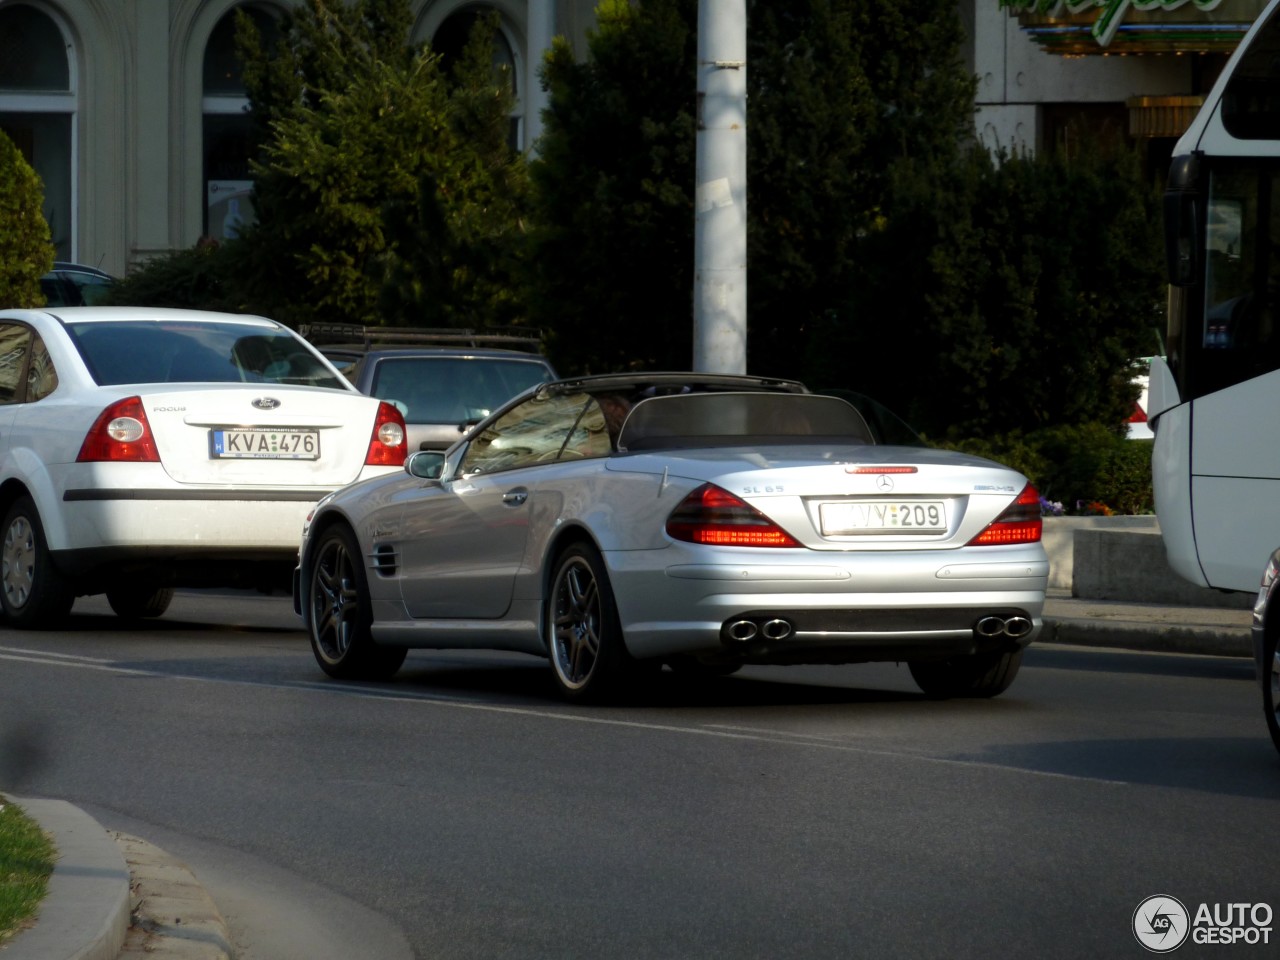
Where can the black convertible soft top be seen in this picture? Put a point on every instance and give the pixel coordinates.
(734, 418)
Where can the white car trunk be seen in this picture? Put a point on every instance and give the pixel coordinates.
(266, 435)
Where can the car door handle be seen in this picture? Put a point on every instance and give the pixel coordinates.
(515, 497)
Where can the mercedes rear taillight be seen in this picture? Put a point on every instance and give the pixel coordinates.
(715, 516)
(1019, 523)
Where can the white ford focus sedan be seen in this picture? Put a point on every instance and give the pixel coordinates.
(706, 522)
(145, 449)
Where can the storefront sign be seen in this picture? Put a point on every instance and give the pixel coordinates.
(1136, 26)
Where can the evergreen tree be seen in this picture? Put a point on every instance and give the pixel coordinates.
(842, 94)
(1011, 294)
(611, 268)
(852, 103)
(385, 189)
(26, 253)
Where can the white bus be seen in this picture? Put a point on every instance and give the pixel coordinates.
(1215, 400)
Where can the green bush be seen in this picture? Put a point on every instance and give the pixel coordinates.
(196, 278)
(1088, 469)
(26, 253)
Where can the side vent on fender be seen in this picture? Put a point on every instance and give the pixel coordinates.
(385, 560)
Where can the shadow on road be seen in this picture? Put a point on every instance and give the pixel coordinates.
(1232, 766)
(1103, 660)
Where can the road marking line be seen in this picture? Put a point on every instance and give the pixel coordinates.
(51, 653)
(722, 731)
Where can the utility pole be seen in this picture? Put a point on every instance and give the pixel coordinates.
(720, 225)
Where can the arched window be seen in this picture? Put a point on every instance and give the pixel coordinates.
(227, 127)
(451, 39)
(37, 106)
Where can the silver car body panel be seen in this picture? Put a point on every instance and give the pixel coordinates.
(472, 571)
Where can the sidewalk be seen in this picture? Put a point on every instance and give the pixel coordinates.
(116, 897)
(1210, 631)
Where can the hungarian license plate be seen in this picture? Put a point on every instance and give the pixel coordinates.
(883, 516)
(264, 443)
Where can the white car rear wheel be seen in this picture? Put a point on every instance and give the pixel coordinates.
(33, 591)
(137, 602)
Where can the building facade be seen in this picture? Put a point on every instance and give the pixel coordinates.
(133, 113)
(1052, 71)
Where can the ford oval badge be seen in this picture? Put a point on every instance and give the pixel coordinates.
(266, 403)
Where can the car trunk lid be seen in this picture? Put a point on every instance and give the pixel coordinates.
(856, 497)
(269, 435)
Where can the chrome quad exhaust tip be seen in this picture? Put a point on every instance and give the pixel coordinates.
(744, 631)
(996, 626)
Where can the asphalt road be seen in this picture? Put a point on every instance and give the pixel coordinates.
(464, 812)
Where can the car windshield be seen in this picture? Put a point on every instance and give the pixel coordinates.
(453, 389)
(724, 419)
(176, 352)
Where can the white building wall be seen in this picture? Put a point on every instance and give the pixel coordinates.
(1016, 76)
(138, 71)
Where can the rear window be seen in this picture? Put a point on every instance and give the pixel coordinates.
(730, 419)
(150, 352)
(454, 389)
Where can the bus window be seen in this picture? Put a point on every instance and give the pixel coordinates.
(1226, 286)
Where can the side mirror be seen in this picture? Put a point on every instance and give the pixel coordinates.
(425, 464)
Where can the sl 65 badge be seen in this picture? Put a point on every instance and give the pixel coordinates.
(764, 489)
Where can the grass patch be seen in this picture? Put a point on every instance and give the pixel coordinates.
(26, 861)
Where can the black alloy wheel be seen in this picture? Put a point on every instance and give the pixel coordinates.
(584, 637)
(1271, 685)
(340, 612)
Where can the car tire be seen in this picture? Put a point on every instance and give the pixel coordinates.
(1271, 685)
(33, 592)
(589, 658)
(139, 602)
(975, 675)
(339, 612)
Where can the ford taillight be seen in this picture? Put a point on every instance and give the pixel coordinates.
(387, 446)
(121, 433)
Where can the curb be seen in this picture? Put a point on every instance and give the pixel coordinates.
(85, 914)
(173, 916)
(1209, 641)
(115, 897)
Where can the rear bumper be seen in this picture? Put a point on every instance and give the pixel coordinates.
(868, 608)
(181, 521)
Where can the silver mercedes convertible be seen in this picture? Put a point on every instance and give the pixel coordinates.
(619, 523)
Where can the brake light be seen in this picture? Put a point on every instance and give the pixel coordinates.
(1019, 523)
(120, 434)
(387, 445)
(713, 515)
